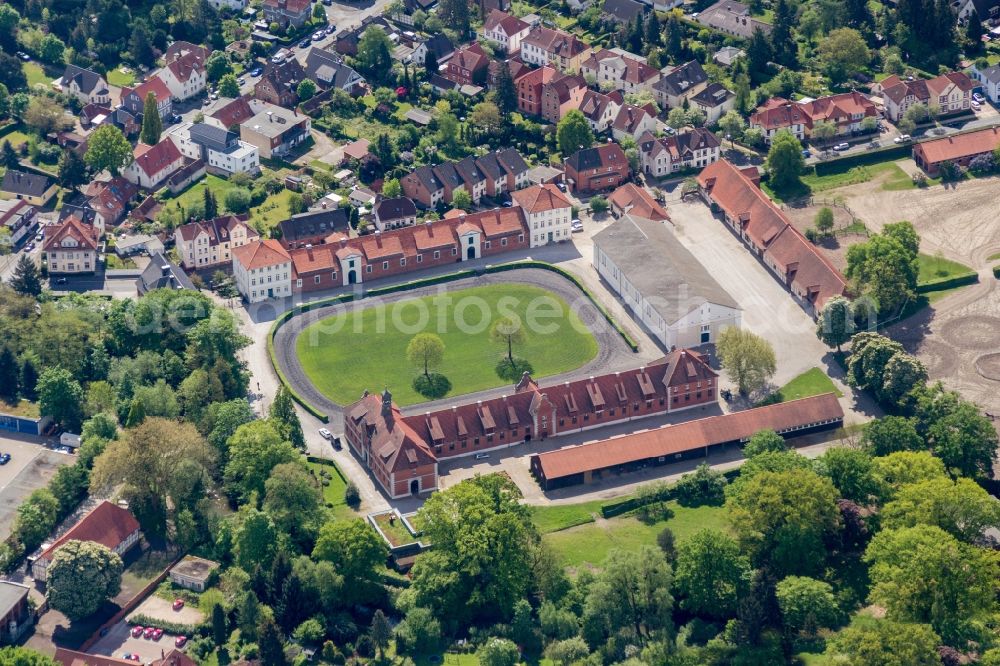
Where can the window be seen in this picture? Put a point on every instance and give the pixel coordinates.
(454, 251)
(316, 280)
(437, 254)
(385, 265)
(368, 268)
(503, 242)
(298, 283)
(402, 261)
(420, 258)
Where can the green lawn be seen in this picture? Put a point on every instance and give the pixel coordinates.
(937, 268)
(344, 354)
(811, 382)
(36, 75)
(16, 138)
(196, 193)
(555, 517)
(117, 77)
(590, 544)
(993, 257)
(272, 211)
(333, 489)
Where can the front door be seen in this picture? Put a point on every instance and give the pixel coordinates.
(415, 487)
(705, 337)
(352, 277)
(471, 254)
(270, 293)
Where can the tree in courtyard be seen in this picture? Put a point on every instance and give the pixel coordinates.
(237, 200)
(505, 92)
(107, 148)
(710, 574)
(747, 358)
(391, 188)
(784, 160)
(211, 203)
(25, 279)
(732, 125)
(806, 604)
(784, 518)
(61, 397)
(573, 133)
(82, 576)
(508, 331)
(72, 170)
(599, 205)
(152, 124)
(885, 643)
(455, 15)
(375, 54)
(677, 118)
(461, 200)
(923, 574)
(305, 90)
(824, 220)
(229, 86)
(36, 517)
(764, 441)
(425, 351)
(835, 323)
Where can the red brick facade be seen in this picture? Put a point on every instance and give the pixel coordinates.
(594, 169)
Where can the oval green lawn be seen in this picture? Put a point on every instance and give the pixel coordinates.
(362, 354)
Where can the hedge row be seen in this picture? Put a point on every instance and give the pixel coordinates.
(416, 284)
(948, 282)
(842, 164)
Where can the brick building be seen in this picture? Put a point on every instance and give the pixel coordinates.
(594, 169)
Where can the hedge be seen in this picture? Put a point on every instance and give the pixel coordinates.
(416, 284)
(842, 164)
(948, 282)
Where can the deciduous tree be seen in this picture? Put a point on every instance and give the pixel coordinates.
(254, 450)
(835, 324)
(710, 574)
(61, 397)
(961, 507)
(784, 160)
(806, 604)
(425, 351)
(885, 643)
(107, 148)
(573, 133)
(81, 577)
(747, 358)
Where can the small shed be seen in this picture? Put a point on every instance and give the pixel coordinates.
(193, 573)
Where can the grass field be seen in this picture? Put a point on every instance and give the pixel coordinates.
(811, 382)
(894, 179)
(555, 517)
(117, 77)
(936, 268)
(589, 544)
(272, 211)
(333, 489)
(346, 353)
(36, 75)
(196, 193)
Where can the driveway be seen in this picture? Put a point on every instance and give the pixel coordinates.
(119, 641)
(160, 609)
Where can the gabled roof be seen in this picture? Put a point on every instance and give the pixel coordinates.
(440, 46)
(328, 70)
(506, 23)
(234, 113)
(283, 76)
(604, 155)
(733, 17)
(153, 84)
(471, 57)
(84, 234)
(161, 273)
(86, 80)
(959, 146)
(25, 183)
(839, 108)
(636, 201)
(314, 224)
(107, 524)
(630, 118)
(623, 11)
(395, 208)
(777, 113)
(181, 48)
(183, 67)
(154, 159)
(714, 94)
(682, 78)
(219, 229)
(634, 68)
(213, 136)
(512, 161)
(261, 254)
(555, 42)
(540, 198)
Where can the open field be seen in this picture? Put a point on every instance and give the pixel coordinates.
(36, 75)
(117, 77)
(937, 268)
(589, 544)
(368, 347)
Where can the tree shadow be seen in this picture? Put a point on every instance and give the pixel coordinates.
(513, 371)
(432, 386)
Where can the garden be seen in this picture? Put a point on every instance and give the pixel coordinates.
(368, 347)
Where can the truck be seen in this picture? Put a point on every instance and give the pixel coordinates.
(69, 439)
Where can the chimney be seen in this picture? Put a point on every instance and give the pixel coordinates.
(270, 116)
(165, 270)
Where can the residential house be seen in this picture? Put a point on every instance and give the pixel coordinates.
(714, 101)
(230, 114)
(529, 89)
(989, 77)
(617, 69)
(288, 12)
(107, 524)
(680, 83)
(777, 114)
(328, 71)
(732, 18)
(93, 116)
(599, 109)
(548, 213)
(795, 262)
(71, 246)
(634, 200)
(727, 55)
(633, 121)
(394, 212)
(950, 92)
(548, 46)
(181, 48)
(663, 156)
(262, 269)
(185, 74)
(19, 218)
(958, 149)
(87, 86)
(134, 99)
(438, 44)
(986, 10)
(472, 176)
(468, 66)
(153, 164)
(33, 188)
(209, 243)
(275, 130)
(490, 175)
(277, 85)
(314, 227)
(235, 5)
(221, 150)
(108, 201)
(845, 111)
(423, 186)
(402, 452)
(560, 94)
(594, 169)
(505, 30)
(516, 68)
(161, 273)
(622, 12)
(662, 284)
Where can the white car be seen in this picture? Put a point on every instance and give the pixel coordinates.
(975, 105)
(576, 225)
(325, 434)
(902, 138)
(979, 98)
(842, 146)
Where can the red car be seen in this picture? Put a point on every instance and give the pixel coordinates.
(180, 641)
(137, 631)
(148, 632)
(157, 634)
(136, 657)
(178, 604)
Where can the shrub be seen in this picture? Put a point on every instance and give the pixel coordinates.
(667, 543)
(703, 487)
(352, 496)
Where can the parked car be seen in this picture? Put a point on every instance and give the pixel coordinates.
(305, 43)
(576, 225)
(902, 138)
(4, 458)
(180, 641)
(178, 604)
(23, 56)
(979, 98)
(137, 631)
(157, 634)
(328, 2)
(842, 146)
(256, 71)
(482, 456)
(318, 35)
(325, 434)
(148, 632)
(39, 236)
(806, 153)
(336, 443)
(975, 105)
(61, 280)
(176, 118)
(873, 145)
(135, 657)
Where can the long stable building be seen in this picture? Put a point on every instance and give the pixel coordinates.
(402, 452)
(591, 462)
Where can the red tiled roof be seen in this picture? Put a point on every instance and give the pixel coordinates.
(777, 113)
(636, 201)
(810, 274)
(72, 227)
(511, 25)
(154, 159)
(186, 65)
(540, 198)
(153, 84)
(839, 108)
(557, 42)
(74, 658)
(234, 113)
(219, 229)
(261, 253)
(673, 439)
(108, 524)
(958, 146)
(636, 69)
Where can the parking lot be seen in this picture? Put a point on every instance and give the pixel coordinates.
(119, 641)
(31, 466)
